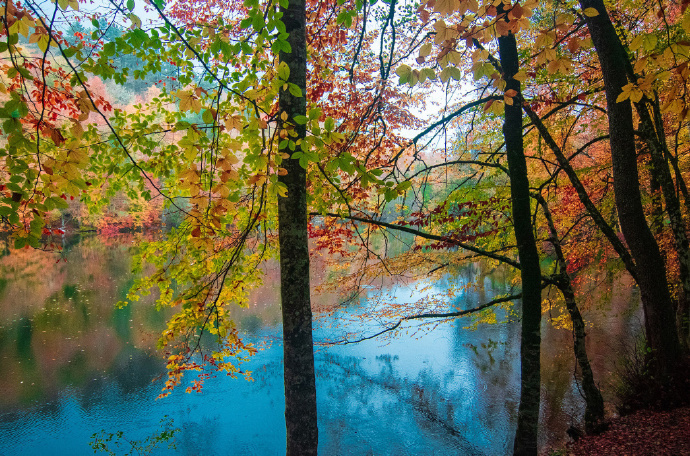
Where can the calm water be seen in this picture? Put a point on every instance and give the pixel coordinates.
(73, 365)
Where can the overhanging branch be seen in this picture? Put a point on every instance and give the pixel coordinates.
(459, 313)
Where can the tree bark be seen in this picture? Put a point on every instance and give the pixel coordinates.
(530, 381)
(655, 138)
(651, 272)
(298, 347)
(594, 402)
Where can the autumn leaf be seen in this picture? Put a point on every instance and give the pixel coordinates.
(446, 7)
(630, 91)
(443, 33)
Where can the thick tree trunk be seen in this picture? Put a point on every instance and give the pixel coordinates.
(530, 271)
(651, 272)
(300, 383)
(655, 139)
(594, 402)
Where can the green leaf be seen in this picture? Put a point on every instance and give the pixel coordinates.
(283, 71)
(295, 90)
(207, 116)
(329, 125)
(130, 5)
(258, 22)
(19, 243)
(301, 119)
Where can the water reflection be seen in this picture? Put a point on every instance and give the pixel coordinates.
(73, 364)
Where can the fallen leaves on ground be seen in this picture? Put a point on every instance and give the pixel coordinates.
(644, 433)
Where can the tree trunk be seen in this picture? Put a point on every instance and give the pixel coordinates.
(300, 382)
(530, 271)
(594, 402)
(655, 139)
(651, 272)
(579, 187)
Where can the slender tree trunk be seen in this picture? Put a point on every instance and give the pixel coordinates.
(594, 402)
(298, 347)
(530, 271)
(655, 139)
(657, 213)
(579, 187)
(651, 272)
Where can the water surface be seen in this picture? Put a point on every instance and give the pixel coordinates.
(73, 365)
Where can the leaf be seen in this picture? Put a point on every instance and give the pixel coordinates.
(77, 130)
(686, 23)
(591, 12)
(443, 33)
(520, 76)
(208, 116)
(636, 43)
(451, 72)
(425, 50)
(426, 73)
(649, 42)
(446, 7)
(295, 90)
(136, 22)
(403, 71)
(630, 91)
(283, 71)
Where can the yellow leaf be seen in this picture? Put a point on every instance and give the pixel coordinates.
(591, 12)
(640, 65)
(403, 70)
(443, 33)
(686, 22)
(425, 50)
(636, 43)
(649, 42)
(77, 130)
(446, 7)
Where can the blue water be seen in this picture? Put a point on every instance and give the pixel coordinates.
(441, 390)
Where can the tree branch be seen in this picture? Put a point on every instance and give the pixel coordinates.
(459, 313)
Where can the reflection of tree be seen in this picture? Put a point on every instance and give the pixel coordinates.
(425, 404)
(195, 437)
(133, 369)
(70, 332)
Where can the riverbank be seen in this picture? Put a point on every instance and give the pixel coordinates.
(643, 433)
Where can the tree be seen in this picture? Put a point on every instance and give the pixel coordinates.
(651, 276)
(528, 413)
(298, 346)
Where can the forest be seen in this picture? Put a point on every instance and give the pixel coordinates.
(340, 149)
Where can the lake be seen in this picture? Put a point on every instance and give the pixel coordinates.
(73, 365)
